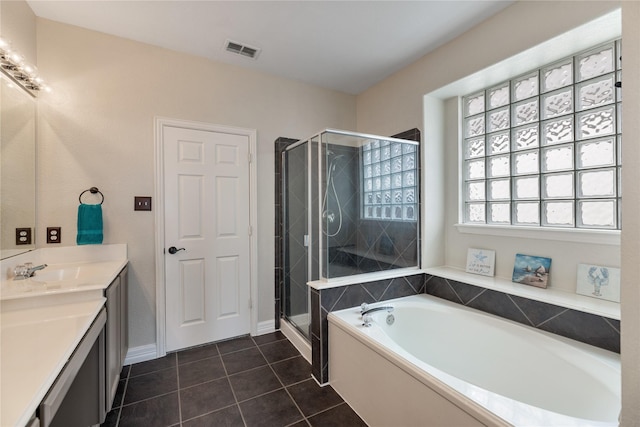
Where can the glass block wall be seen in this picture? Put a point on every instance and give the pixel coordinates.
(544, 149)
(390, 187)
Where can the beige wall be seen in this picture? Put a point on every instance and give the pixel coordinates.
(399, 102)
(96, 129)
(630, 217)
(18, 25)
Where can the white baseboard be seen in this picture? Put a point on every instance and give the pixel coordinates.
(266, 327)
(141, 354)
(298, 341)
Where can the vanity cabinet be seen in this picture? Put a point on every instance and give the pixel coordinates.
(76, 399)
(117, 335)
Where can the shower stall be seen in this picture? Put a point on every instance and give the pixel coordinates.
(350, 207)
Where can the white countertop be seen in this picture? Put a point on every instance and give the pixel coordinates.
(36, 344)
(44, 318)
(86, 276)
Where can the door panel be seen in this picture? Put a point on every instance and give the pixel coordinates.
(192, 292)
(207, 213)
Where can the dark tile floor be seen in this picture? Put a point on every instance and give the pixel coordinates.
(247, 381)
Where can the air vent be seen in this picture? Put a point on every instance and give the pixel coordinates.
(242, 49)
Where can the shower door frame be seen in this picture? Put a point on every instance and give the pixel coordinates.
(308, 236)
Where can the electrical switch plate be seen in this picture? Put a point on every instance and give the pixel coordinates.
(54, 234)
(23, 236)
(142, 203)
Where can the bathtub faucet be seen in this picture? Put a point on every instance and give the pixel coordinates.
(366, 313)
(368, 310)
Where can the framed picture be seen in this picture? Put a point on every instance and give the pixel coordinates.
(531, 270)
(599, 282)
(481, 261)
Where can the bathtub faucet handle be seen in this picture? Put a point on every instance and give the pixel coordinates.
(366, 320)
(364, 307)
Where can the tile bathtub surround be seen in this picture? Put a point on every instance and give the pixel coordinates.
(333, 299)
(248, 381)
(589, 328)
(592, 329)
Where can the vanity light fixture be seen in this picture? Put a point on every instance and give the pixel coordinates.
(13, 65)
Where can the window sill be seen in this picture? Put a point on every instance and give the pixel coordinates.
(557, 297)
(603, 237)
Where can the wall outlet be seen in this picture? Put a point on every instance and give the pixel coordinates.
(23, 236)
(142, 203)
(54, 234)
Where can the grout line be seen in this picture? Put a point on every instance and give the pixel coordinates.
(178, 384)
(233, 392)
(286, 390)
(124, 393)
(149, 398)
(329, 408)
(335, 303)
(521, 311)
(211, 412)
(458, 296)
(610, 324)
(552, 317)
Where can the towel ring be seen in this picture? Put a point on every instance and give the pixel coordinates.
(92, 190)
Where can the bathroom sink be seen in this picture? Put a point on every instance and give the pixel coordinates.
(74, 274)
(58, 275)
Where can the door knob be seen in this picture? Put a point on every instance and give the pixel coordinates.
(172, 250)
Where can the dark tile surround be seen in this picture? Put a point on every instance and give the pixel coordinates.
(592, 329)
(248, 381)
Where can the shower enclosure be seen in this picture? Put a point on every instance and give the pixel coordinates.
(350, 204)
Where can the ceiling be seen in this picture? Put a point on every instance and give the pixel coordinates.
(347, 46)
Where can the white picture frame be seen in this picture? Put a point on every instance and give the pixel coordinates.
(600, 282)
(481, 261)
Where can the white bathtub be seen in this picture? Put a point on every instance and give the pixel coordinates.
(442, 364)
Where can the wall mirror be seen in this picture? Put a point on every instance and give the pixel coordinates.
(17, 167)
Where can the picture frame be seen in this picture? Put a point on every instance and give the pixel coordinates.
(531, 270)
(481, 261)
(597, 281)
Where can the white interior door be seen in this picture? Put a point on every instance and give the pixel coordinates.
(206, 211)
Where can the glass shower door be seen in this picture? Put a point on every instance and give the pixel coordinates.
(295, 235)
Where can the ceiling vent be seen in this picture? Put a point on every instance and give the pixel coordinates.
(242, 49)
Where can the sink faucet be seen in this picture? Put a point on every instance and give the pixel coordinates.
(24, 271)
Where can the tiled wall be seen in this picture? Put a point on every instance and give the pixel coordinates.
(588, 328)
(327, 300)
(591, 329)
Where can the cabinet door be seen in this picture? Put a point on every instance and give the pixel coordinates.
(124, 316)
(113, 365)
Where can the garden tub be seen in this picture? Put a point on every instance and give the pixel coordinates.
(433, 362)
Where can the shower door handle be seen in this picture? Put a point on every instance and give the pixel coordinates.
(305, 240)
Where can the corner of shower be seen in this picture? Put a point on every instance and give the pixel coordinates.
(349, 207)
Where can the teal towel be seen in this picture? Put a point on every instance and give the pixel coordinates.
(89, 225)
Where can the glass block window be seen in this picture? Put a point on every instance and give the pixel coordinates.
(543, 149)
(390, 177)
